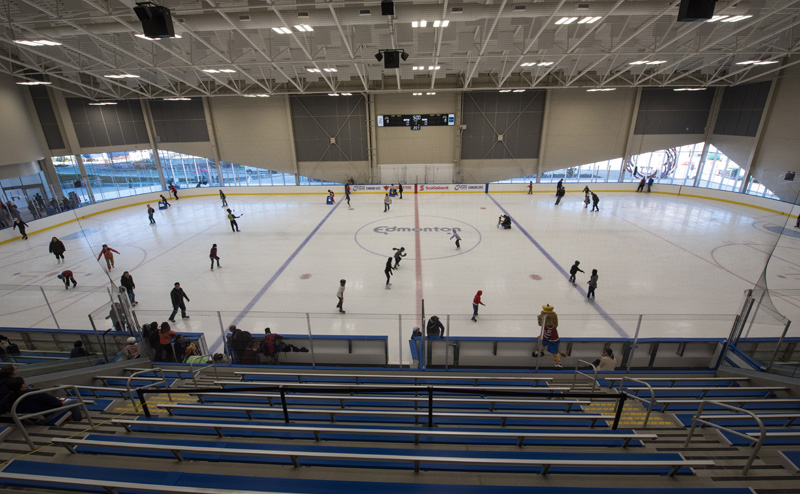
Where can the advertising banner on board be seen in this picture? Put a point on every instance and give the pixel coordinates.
(451, 188)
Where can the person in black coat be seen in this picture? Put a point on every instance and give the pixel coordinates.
(20, 225)
(127, 282)
(57, 249)
(6, 374)
(78, 350)
(39, 402)
(435, 327)
(388, 272)
(177, 295)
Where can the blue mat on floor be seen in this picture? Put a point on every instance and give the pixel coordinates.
(305, 486)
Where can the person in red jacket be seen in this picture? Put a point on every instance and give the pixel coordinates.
(213, 256)
(475, 303)
(66, 276)
(106, 252)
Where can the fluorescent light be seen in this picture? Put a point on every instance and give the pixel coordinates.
(445, 23)
(437, 23)
(566, 20)
(757, 62)
(347, 94)
(282, 30)
(182, 98)
(718, 18)
(638, 62)
(313, 70)
(434, 67)
(417, 67)
(34, 83)
(689, 89)
(414, 24)
(545, 64)
(303, 28)
(38, 42)
(736, 18)
(121, 76)
(211, 71)
(333, 94)
(423, 23)
(330, 70)
(518, 91)
(600, 89)
(430, 94)
(527, 64)
(262, 95)
(588, 20)
(177, 36)
(103, 103)
(227, 71)
(655, 62)
(416, 94)
(505, 90)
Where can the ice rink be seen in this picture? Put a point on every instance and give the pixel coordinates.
(683, 263)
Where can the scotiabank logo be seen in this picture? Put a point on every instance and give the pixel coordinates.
(433, 187)
(386, 230)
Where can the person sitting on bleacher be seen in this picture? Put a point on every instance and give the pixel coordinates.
(435, 327)
(270, 347)
(78, 350)
(607, 362)
(165, 335)
(7, 373)
(250, 354)
(7, 348)
(239, 342)
(39, 402)
(131, 350)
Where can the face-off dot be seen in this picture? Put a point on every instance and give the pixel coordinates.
(536, 277)
(305, 276)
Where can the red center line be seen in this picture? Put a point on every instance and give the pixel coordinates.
(418, 254)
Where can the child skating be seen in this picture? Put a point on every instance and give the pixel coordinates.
(387, 201)
(457, 237)
(475, 302)
(388, 272)
(20, 225)
(232, 218)
(398, 254)
(224, 198)
(592, 285)
(66, 276)
(213, 256)
(573, 271)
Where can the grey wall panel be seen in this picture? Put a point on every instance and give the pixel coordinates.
(179, 121)
(515, 116)
(47, 117)
(664, 111)
(741, 109)
(118, 125)
(317, 119)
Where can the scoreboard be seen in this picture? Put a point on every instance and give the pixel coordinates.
(415, 122)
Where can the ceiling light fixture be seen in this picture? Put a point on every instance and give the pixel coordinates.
(588, 20)
(39, 42)
(177, 36)
(718, 18)
(181, 98)
(346, 94)
(103, 103)
(505, 90)
(528, 64)
(34, 83)
(545, 64)
(736, 18)
(261, 95)
(431, 93)
(689, 89)
(423, 23)
(434, 67)
(566, 20)
(518, 91)
(313, 70)
(330, 70)
(655, 62)
(416, 94)
(757, 62)
(282, 30)
(304, 28)
(121, 76)
(333, 94)
(601, 89)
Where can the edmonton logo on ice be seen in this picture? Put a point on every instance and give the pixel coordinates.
(386, 230)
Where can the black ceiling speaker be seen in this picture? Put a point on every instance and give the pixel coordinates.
(404, 56)
(156, 20)
(391, 59)
(387, 7)
(696, 10)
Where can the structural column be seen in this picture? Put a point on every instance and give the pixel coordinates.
(291, 140)
(71, 138)
(212, 136)
(631, 129)
(151, 136)
(773, 88)
(543, 137)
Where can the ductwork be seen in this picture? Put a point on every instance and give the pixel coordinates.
(320, 17)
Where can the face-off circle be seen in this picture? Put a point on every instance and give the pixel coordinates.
(381, 236)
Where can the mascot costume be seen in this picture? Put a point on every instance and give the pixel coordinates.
(549, 338)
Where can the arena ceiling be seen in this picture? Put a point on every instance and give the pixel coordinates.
(269, 47)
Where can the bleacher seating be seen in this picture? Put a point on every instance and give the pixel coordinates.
(235, 425)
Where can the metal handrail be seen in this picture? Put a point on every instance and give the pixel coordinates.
(758, 442)
(594, 378)
(19, 418)
(632, 395)
(194, 376)
(130, 388)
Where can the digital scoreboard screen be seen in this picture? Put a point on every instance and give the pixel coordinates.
(417, 121)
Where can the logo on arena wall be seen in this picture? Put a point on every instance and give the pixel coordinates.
(468, 187)
(433, 187)
(365, 188)
(386, 230)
